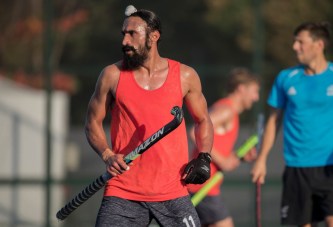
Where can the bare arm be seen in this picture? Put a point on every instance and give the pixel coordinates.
(221, 116)
(98, 107)
(273, 122)
(197, 106)
(197, 171)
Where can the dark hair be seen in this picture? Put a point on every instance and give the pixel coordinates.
(238, 76)
(319, 30)
(152, 20)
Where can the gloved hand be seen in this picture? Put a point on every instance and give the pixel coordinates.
(197, 171)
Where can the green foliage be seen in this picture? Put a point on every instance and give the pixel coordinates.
(211, 35)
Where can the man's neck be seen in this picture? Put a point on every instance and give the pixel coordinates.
(316, 67)
(236, 102)
(152, 64)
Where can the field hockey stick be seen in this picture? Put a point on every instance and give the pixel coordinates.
(260, 130)
(217, 177)
(100, 182)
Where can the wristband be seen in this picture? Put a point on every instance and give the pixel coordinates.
(206, 156)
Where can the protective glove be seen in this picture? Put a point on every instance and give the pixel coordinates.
(197, 171)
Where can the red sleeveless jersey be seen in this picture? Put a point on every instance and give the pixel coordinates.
(136, 115)
(224, 144)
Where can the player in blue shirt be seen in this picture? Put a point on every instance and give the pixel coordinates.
(302, 97)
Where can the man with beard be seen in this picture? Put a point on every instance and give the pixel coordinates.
(139, 91)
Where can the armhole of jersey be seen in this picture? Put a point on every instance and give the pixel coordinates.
(175, 67)
(121, 75)
(180, 82)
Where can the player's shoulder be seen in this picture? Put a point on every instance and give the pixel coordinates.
(111, 72)
(112, 69)
(224, 104)
(184, 68)
(187, 71)
(290, 73)
(221, 111)
(110, 75)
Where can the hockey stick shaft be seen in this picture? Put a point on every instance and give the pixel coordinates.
(260, 131)
(247, 145)
(201, 194)
(218, 176)
(100, 182)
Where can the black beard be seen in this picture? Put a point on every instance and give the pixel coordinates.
(136, 60)
(133, 62)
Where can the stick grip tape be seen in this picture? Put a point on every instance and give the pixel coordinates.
(246, 147)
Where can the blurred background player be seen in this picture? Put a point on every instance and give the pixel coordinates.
(242, 92)
(304, 94)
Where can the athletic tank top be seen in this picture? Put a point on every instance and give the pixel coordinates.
(224, 144)
(136, 115)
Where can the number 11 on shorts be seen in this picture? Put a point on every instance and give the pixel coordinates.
(188, 220)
